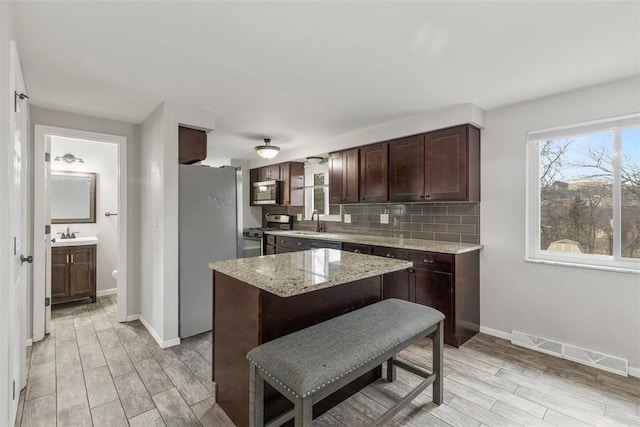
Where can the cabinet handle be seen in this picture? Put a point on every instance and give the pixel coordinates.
(67, 258)
(299, 243)
(356, 251)
(428, 196)
(361, 198)
(428, 261)
(389, 256)
(71, 258)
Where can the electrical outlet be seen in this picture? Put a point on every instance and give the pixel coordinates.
(384, 218)
(299, 217)
(347, 218)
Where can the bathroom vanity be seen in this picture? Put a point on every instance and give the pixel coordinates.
(73, 269)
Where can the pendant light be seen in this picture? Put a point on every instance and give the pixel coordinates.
(267, 151)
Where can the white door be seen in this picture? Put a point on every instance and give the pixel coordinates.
(18, 235)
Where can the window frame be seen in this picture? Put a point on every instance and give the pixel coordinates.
(309, 171)
(534, 253)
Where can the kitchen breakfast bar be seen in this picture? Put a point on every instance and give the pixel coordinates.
(259, 299)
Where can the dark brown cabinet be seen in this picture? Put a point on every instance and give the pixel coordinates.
(192, 145)
(374, 183)
(292, 176)
(451, 284)
(73, 273)
(439, 165)
(406, 169)
(344, 176)
(268, 173)
(452, 159)
(357, 248)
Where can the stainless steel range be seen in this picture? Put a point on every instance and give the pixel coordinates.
(253, 238)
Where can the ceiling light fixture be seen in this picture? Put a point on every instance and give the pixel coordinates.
(314, 160)
(267, 151)
(68, 158)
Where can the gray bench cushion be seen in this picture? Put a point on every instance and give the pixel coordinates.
(310, 359)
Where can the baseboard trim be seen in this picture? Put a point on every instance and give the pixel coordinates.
(634, 372)
(156, 336)
(495, 333)
(105, 292)
(29, 342)
(132, 317)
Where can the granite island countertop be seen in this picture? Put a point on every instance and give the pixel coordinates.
(296, 273)
(389, 242)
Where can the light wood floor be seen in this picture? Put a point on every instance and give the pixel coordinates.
(95, 371)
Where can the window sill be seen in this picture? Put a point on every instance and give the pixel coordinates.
(627, 270)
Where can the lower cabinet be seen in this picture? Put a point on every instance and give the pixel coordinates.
(73, 273)
(397, 284)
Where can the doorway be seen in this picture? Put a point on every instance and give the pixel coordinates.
(69, 152)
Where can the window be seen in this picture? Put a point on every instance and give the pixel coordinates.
(316, 192)
(584, 194)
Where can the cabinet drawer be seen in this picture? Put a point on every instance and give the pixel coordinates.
(359, 249)
(317, 244)
(391, 252)
(271, 240)
(432, 261)
(293, 243)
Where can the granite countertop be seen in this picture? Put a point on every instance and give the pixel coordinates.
(295, 273)
(389, 242)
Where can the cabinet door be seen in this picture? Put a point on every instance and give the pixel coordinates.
(285, 192)
(192, 145)
(296, 183)
(435, 289)
(406, 169)
(350, 176)
(446, 164)
(269, 249)
(59, 273)
(81, 271)
(336, 183)
(263, 174)
(374, 184)
(253, 177)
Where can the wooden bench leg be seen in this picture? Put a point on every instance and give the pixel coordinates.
(257, 395)
(391, 370)
(438, 354)
(304, 412)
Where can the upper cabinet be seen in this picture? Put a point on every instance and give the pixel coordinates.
(343, 176)
(192, 145)
(439, 165)
(374, 184)
(269, 173)
(406, 169)
(292, 176)
(452, 164)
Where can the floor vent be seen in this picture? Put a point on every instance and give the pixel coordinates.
(602, 361)
(554, 348)
(591, 358)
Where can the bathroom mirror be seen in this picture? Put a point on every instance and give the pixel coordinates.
(73, 197)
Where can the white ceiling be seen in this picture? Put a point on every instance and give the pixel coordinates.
(303, 71)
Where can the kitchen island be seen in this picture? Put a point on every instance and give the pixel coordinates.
(256, 300)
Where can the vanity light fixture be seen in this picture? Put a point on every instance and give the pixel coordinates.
(267, 151)
(68, 158)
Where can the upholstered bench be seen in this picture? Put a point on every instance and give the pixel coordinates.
(309, 365)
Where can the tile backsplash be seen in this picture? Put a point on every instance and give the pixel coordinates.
(451, 222)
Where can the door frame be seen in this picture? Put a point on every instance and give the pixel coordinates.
(41, 279)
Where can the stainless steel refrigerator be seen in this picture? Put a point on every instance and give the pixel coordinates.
(208, 231)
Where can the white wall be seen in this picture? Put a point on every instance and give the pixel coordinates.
(597, 310)
(64, 119)
(159, 216)
(101, 159)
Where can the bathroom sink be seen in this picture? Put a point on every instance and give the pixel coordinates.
(76, 241)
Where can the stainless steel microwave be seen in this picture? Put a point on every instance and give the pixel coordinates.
(266, 192)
